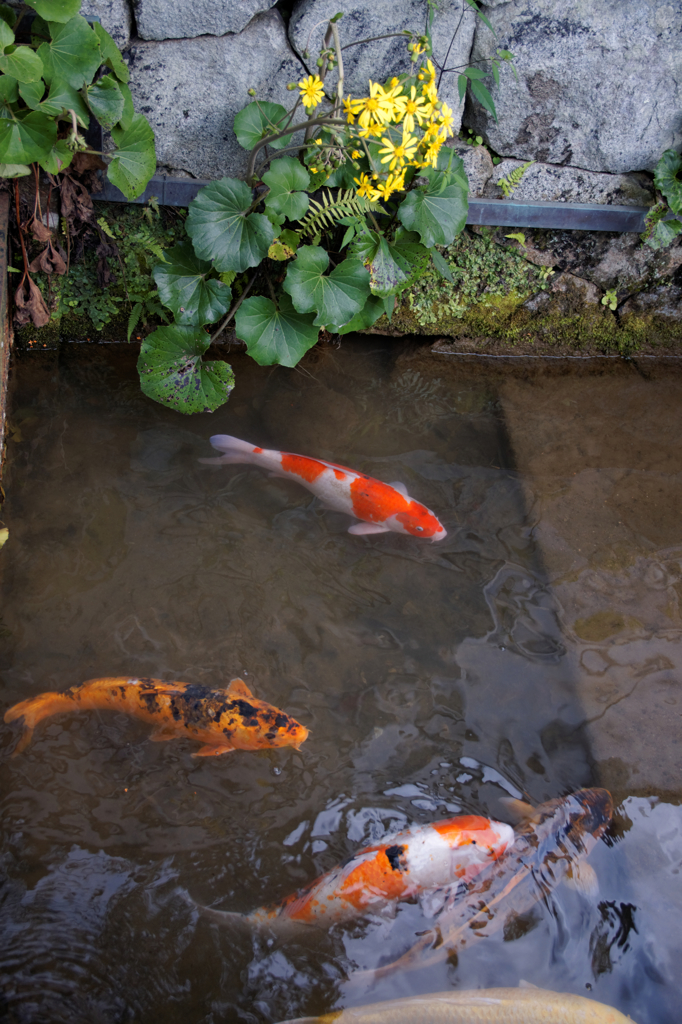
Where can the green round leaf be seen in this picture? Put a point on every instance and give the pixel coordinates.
(14, 170)
(6, 35)
(222, 229)
(73, 55)
(185, 288)
(134, 159)
(9, 90)
(437, 212)
(369, 313)
(171, 370)
(667, 180)
(27, 139)
(32, 93)
(61, 98)
(275, 335)
(395, 266)
(22, 63)
(257, 120)
(128, 108)
(58, 159)
(56, 10)
(111, 55)
(8, 15)
(335, 298)
(285, 179)
(105, 100)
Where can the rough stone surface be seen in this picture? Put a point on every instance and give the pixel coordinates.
(665, 301)
(478, 165)
(383, 58)
(167, 19)
(191, 90)
(551, 183)
(115, 17)
(600, 84)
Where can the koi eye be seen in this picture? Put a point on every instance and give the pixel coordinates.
(420, 528)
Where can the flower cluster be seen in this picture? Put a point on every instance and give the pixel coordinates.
(424, 120)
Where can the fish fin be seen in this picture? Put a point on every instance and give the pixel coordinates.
(398, 485)
(583, 878)
(359, 529)
(527, 984)
(215, 462)
(211, 750)
(238, 688)
(518, 809)
(162, 734)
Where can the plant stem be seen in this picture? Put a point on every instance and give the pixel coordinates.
(234, 309)
(339, 59)
(323, 119)
(371, 39)
(20, 230)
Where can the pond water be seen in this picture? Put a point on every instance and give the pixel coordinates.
(536, 650)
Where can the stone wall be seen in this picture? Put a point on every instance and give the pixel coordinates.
(598, 89)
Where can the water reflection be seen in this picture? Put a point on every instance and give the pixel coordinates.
(533, 651)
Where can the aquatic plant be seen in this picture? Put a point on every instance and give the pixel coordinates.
(391, 194)
(50, 87)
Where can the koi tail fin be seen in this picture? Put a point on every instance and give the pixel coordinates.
(233, 450)
(30, 712)
(221, 917)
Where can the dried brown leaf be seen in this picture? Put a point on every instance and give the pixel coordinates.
(30, 304)
(87, 162)
(40, 231)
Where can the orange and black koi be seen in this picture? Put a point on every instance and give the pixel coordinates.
(223, 720)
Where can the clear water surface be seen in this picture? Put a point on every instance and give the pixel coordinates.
(534, 651)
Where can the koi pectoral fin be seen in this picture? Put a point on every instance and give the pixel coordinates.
(359, 529)
(211, 750)
(162, 734)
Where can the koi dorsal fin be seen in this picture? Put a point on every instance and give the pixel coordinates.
(399, 486)
(238, 688)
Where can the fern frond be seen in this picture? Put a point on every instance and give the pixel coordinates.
(513, 179)
(326, 214)
(134, 318)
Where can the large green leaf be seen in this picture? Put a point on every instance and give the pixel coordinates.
(9, 91)
(111, 55)
(61, 98)
(184, 286)
(14, 170)
(58, 159)
(171, 370)
(257, 120)
(275, 335)
(667, 179)
(22, 63)
(285, 179)
(73, 55)
(32, 93)
(134, 159)
(663, 233)
(56, 10)
(392, 266)
(128, 108)
(6, 35)
(335, 298)
(7, 14)
(23, 140)
(437, 211)
(105, 100)
(370, 312)
(224, 231)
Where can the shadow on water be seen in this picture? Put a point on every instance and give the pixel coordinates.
(434, 679)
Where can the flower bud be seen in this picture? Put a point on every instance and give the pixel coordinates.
(291, 86)
(320, 62)
(252, 92)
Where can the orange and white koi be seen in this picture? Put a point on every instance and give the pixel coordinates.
(401, 866)
(223, 720)
(380, 507)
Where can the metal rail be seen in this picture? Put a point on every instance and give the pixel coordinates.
(493, 212)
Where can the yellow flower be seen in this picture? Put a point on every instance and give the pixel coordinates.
(355, 154)
(365, 187)
(375, 108)
(398, 156)
(397, 101)
(446, 121)
(351, 107)
(312, 90)
(415, 108)
(430, 92)
(430, 72)
(372, 129)
(394, 183)
(431, 155)
(417, 48)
